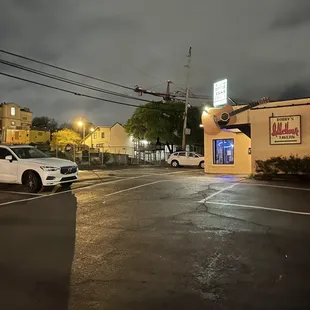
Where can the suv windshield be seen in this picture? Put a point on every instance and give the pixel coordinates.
(28, 152)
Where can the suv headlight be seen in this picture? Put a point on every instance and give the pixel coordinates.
(49, 168)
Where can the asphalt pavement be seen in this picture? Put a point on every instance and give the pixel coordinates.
(156, 239)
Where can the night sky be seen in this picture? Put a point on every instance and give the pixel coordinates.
(261, 47)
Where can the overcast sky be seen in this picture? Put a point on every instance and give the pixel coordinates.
(261, 46)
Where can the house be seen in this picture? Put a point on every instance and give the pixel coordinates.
(13, 117)
(112, 139)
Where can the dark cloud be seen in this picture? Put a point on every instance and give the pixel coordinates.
(297, 14)
(295, 91)
(145, 42)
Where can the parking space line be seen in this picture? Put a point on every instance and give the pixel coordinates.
(276, 186)
(135, 187)
(79, 189)
(219, 192)
(256, 207)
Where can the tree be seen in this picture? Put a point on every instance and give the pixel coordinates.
(44, 122)
(164, 121)
(66, 126)
(65, 136)
(75, 127)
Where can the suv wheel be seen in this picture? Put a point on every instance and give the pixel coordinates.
(175, 164)
(202, 165)
(32, 182)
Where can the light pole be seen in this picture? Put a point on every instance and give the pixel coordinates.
(186, 101)
(91, 137)
(82, 124)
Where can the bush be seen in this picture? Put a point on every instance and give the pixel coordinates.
(266, 167)
(95, 161)
(288, 165)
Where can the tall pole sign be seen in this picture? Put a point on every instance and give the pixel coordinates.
(220, 93)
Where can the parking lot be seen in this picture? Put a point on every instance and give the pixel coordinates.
(156, 238)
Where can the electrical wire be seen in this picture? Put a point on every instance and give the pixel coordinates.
(78, 94)
(64, 69)
(88, 76)
(69, 81)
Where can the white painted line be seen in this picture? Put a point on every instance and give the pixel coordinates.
(256, 207)
(123, 179)
(64, 192)
(80, 189)
(134, 187)
(20, 193)
(221, 191)
(276, 186)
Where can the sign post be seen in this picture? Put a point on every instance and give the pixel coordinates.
(220, 93)
(285, 130)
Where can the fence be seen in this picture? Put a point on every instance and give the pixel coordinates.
(142, 154)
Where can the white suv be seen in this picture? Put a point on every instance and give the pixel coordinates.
(24, 164)
(186, 159)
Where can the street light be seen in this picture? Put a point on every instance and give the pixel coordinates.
(82, 124)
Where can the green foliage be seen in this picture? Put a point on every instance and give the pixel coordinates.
(164, 120)
(44, 122)
(65, 136)
(288, 165)
(266, 167)
(66, 126)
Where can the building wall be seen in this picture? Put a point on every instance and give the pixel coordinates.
(120, 142)
(21, 136)
(261, 148)
(16, 136)
(39, 136)
(242, 160)
(99, 138)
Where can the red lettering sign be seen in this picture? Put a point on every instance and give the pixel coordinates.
(278, 130)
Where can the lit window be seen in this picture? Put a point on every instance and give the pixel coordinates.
(102, 135)
(13, 111)
(95, 135)
(223, 152)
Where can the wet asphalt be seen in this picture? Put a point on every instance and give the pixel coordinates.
(156, 239)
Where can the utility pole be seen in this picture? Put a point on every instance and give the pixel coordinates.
(186, 100)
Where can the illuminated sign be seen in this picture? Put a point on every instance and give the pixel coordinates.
(285, 130)
(220, 93)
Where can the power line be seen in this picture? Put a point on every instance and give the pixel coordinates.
(82, 74)
(69, 81)
(64, 69)
(66, 90)
(76, 93)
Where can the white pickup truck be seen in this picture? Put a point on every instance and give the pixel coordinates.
(24, 164)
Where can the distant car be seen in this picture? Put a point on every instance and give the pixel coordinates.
(186, 159)
(24, 164)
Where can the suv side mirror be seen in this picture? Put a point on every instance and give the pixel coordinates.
(9, 158)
